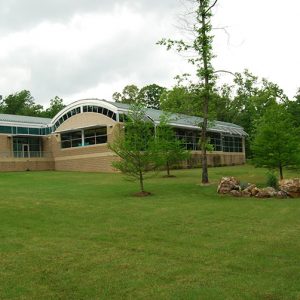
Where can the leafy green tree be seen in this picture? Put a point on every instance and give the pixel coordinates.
(202, 45)
(253, 97)
(169, 150)
(56, 105)
(293, 107)
(21, 103)
(276, 142)
(180, 99)
(129, 95)
(149, 95)
(134, 147)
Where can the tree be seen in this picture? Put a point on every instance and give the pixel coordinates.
(180, 99)
(276, 143)
(129, 95)
(133, 147)
(253, 97)
(21, 103)
(149, 95)
(202, 46)
(293, 107)
(169, 150)
(56, 105)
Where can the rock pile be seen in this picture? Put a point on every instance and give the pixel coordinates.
(231, 186)
(291, 187)
(228, 184)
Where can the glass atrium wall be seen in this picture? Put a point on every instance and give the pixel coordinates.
(220, 142)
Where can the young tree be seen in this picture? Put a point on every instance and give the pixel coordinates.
(202, 46)
(133, 146)
(169, 150)
(276, 143)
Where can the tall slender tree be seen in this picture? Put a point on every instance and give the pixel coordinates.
(202, 46)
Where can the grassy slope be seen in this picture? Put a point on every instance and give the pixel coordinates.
(82, 236)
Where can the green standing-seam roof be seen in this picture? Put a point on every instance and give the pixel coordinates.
(24, 119)
(186, 121)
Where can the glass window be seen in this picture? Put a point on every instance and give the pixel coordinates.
(22, 130)
(34, 131)
(232, 144)
(95, 136)
(71, 139)
(5, 129)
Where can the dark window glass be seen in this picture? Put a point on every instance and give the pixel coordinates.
(85, 108)
(95, 136)
(5, 129)
(34, 131)
(71, 139)
(110, 114)
(22, 130)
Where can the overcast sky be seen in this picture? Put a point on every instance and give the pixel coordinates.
(91, 48)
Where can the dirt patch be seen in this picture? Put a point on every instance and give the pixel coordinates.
(142, 194)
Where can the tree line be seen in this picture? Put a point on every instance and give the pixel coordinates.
(23, 103)
(261, 107)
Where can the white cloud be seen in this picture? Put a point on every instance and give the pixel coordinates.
(92, 48)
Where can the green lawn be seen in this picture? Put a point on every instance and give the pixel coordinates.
(66, 235)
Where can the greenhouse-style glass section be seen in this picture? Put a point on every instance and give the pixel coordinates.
(191, 140)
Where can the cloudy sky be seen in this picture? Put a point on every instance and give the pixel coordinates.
(92, 48)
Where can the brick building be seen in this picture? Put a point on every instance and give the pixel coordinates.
(76, 138)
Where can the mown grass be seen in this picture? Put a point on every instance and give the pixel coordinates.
(83, 236)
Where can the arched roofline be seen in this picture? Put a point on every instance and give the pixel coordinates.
(83, 102)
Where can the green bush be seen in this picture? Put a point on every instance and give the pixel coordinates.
(272, 180)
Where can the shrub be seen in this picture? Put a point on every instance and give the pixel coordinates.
(272, 180)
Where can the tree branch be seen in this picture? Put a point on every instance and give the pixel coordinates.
(211, 6)
(225, 71)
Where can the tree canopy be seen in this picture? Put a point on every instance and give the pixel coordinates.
(276, 141)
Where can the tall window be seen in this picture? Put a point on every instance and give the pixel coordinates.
(84, 137)
(232, 144)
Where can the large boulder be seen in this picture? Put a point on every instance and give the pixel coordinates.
(291, 187)
(267, 192)
(227, 184)
(281, 195)
(235, 193)
(250, 191)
